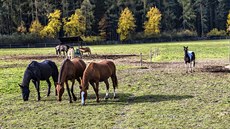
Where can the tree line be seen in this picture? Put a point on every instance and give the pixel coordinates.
(101, 17)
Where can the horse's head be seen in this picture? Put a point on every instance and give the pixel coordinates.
(25, 92)
(186, 49)
(60, 90)
(83, 92)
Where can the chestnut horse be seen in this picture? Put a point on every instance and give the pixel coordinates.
(95, 73)
(86, 49)
(70, 70)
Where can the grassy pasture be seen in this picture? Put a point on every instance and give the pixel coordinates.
(157, 97)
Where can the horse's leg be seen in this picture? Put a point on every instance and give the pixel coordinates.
(187, 67)
(74, 97)
(107, 89)
(36, 84)
(95, 88)
(67, 86)
(191, 66)
(49, 85)
(114, 79)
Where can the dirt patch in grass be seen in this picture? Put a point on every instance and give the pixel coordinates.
(93, 56)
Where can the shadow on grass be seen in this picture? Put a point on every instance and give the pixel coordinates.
(124, 99)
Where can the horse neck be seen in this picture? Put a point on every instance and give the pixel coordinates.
(85, 79)
(186, 53)
(26, 78)
(62, 75)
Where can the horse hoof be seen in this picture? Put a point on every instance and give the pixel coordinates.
(115, 97)
(70, 101)
(74, 99)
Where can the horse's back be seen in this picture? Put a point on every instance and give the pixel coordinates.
(79, 65)
(102, 70)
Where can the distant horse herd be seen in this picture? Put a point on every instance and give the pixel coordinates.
(69, 51)
(76, 68)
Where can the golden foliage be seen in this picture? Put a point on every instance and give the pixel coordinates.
(53, 26)
(126, 24)
(228, 22)
(35, 27)
(75, 25)
(152, 26)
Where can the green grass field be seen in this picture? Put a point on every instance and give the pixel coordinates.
(164, 97)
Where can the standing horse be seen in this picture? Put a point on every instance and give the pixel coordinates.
(70, 70)
(95, 73)
(36, 71)
(189, 59)
(86, 49)
(62, 48)
(70, 54)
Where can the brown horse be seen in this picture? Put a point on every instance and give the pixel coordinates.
(86, 49)
(95, 73)
(70, 70)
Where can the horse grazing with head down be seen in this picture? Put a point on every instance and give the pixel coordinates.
(36, 72)
(62, 48)
(189, 59)
(84, 50)
(70, 70)
(95, 73)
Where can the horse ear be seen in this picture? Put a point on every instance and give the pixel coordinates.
(20, 85)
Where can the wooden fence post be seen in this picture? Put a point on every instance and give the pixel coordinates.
(141, 59)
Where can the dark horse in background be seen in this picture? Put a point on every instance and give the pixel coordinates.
(95, 73)
(36, 72)
(70, 70)
(62, 48)
(189, 59)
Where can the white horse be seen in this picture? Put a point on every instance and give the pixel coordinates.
(70, 53)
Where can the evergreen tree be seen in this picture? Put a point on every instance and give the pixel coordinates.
(87, 10)
(188, 15)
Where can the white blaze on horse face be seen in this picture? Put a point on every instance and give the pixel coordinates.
(82, 97)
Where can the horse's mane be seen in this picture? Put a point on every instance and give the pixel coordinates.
(61, 69)
(87, 73)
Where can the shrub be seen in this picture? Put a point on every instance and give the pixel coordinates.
(216, 32)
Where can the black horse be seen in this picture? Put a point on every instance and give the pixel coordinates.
(189, 59)
(36, 71)
(62, 48)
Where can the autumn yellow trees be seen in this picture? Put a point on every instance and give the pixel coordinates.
(75, 25)
(36, 27)
(54, 25)
(126, 24)
(228, 23)
(152, 25)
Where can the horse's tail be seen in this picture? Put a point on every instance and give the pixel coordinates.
(194, 60)
(54, 70)
(115, 80)
(114, 77)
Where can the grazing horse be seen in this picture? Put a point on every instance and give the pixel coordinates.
(95, 73)
(189, 59)
(70, 70)
(62, 48)
(36, 71)
(86, 49)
